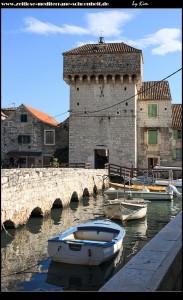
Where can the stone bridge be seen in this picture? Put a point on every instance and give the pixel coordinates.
(36, 191)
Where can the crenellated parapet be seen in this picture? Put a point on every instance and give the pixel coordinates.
(101, 79)
(103, 63)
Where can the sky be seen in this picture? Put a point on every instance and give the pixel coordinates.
(33, 40)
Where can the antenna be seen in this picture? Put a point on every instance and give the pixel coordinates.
(101, 38)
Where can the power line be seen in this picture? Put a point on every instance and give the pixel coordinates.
(61, 114)
(129, 97)
(105, 108)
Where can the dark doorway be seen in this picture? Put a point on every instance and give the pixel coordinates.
(152, 162)
(101, 158)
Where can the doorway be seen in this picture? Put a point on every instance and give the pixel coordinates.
(101, 158)
(31, 161)
(152, 162)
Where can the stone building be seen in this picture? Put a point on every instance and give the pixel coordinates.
(115, 117)
(31, 137)
(177, 134)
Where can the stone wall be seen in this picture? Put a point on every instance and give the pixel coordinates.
(98, 81)
(157, 267)
(161, 123)
(24, 190)
(103, 63)
(113, 129)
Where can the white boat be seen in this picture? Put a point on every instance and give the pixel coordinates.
(90, 243)
(137, 187)
(80, 277)
(151, 177)
(125, 210)
(163, 168)
(158, 182)
(164, 182)
(144, 194)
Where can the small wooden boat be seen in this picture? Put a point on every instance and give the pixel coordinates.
(144, 193)
(125, 210)
(90, 243)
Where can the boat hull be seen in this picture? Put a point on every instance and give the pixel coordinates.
(113, 193)
(64, 275)
(124, 211)
(90, 244)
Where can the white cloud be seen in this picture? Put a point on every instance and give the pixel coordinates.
(166, 39)
(35, 26)
(109, 22)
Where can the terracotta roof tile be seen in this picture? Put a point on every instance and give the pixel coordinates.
(42, 116)
(154, 90)
(102, 48)
(177, 115)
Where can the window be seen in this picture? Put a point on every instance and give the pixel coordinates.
(23, 118)
(152, 110)
(49, 137)
(24, 139)
(177, 154)
(177, 134)
(152, 137)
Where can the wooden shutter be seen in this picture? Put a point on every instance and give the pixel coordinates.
(152, 110)
(152, 137)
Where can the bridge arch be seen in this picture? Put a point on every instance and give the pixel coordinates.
(57, 203)
(36, 212)
(9, 224)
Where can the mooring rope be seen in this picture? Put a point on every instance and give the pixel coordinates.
(24, 271)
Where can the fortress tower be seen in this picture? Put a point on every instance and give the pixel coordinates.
(104, 79)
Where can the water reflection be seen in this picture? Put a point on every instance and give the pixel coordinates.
(56, 215)
(34, 224)
(82, 278)
(25, 251)
(86, 201)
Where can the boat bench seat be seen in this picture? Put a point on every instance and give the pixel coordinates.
(94, 236)
(75, 241)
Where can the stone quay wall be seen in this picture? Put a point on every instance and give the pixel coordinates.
(156, 267)
(25, 190)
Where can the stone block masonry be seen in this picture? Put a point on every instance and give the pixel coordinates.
(156, 267)
(23, 190)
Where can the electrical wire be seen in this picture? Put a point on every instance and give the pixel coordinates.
(105, 108)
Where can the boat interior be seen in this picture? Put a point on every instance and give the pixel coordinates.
(93, 235)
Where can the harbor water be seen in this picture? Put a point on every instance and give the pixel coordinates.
(26, 267)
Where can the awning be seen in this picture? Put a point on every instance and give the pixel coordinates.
(23, 153)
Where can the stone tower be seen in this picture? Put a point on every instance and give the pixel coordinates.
(104, 79)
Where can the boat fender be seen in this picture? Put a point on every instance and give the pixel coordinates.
(89, 252)
(145, 189)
